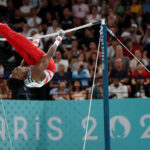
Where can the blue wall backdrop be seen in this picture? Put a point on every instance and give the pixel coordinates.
(60, 125)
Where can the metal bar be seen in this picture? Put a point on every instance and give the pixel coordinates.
(105, 85)
(114, 36)
(66, 31)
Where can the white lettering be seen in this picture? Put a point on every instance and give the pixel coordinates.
(22, 130)
(2, 131)
(94, 124)
(146, 133)
(37, 129)
(50, 124)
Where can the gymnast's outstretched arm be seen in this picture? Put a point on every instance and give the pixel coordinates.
(38, 69)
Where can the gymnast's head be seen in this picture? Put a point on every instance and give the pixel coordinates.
(16, 79)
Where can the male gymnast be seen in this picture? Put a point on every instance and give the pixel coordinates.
(37, 67)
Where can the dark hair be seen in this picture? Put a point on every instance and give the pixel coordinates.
(93, 6)
(90, 59)
(80, 84)
(81, 53)
(15, 84)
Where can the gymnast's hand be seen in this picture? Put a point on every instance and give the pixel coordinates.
(61, 33)
(36, 39)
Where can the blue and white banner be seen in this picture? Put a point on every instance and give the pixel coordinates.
(60, 125)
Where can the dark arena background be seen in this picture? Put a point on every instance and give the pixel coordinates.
(98, 98)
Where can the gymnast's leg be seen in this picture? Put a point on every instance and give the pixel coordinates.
(22, 45)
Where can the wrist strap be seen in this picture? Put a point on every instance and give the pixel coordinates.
(58, 40)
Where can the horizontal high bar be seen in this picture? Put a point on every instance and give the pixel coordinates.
(66, 31)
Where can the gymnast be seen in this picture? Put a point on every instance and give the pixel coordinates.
(37, 68)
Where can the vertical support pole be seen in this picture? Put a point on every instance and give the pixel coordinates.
(103, 35)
